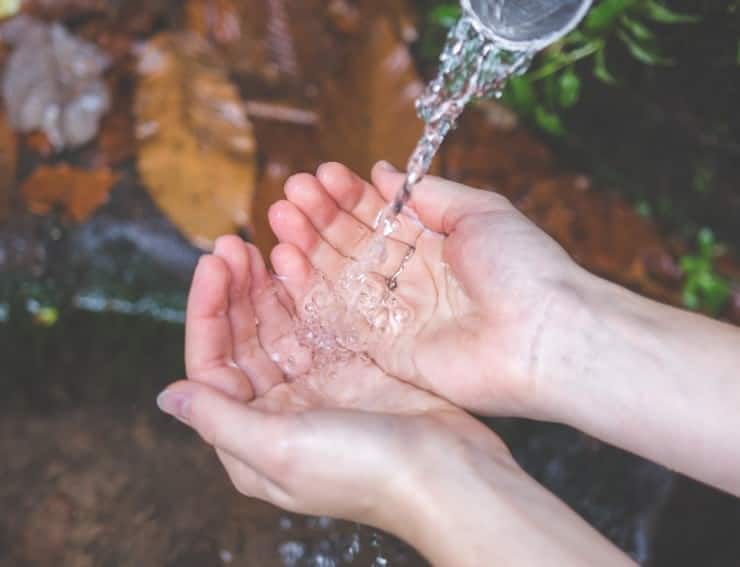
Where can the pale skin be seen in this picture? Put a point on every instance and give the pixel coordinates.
(509, 327)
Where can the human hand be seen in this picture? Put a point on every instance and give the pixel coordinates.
(346, 445)
(356, 443)
(485, 284)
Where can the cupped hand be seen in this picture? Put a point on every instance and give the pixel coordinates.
(353, 442)
(347, 443)
(484, 283)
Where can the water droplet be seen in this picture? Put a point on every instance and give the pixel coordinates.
(291, 552)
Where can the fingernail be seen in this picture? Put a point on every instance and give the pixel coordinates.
(177, 405)
(387, 166)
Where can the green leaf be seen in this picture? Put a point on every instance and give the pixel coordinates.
(643, 208)
(46, 316)
(691, 264)
(600, 70)
(661, 13)
(548, 121)
(521, 96)
(643, 53)
(569, 89)
(715, 292)
(605, 15)
(690, 298)
(445, 15)
(703, 178)
(639, 30)
(550, 91)
(705, 238)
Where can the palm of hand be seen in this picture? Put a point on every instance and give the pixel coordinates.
(478, 303)
(236, 314)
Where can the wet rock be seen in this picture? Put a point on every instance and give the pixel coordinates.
(53, 82)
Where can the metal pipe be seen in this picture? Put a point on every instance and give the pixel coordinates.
(525, 25)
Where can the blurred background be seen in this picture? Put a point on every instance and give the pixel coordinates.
(132, 133)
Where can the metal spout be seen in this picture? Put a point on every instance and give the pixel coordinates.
(525, 25)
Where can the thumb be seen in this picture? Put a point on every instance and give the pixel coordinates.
(439, 203)
(259, 439)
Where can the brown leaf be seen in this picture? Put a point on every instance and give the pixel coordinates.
(197, 149)
(77, 191)
(140, 17)
(116, 140)
(368, 107)
(64, 9)
(238, 29)
(39, 143)
(285, 43)
(8, 162)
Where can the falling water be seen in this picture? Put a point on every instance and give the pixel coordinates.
(471, 66)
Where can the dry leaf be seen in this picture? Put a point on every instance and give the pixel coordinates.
(368, 108)
(281, 41)
(78, 192)
(39, 143)
(116, 141)
(239, 29)
(196, 146)
(64, 9)
(8, 161)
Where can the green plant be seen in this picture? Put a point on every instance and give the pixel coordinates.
(554, 84)
(703, 288)
(445, 15)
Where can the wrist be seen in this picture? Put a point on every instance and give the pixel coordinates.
(597, 335)
(453, 509)
(473, 504)
(571, 340)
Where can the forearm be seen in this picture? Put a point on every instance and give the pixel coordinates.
(652, 379)
(485, 510)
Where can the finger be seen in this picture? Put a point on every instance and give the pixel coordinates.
(208, 343)
(247, 351)
(263, 441)
(291, 226)
(294, 270)
(440, 204)
(277, 326)
(339, 229)
(361, 200)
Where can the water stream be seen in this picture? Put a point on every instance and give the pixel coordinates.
(471, 66)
